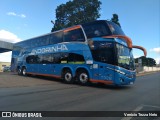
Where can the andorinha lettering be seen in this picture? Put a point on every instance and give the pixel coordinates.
(56, 48)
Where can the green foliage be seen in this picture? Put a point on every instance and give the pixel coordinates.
(146, 61)
(115, 19)
(76, 12)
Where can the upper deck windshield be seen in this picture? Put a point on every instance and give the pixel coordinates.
(115, 29)
(102, 28)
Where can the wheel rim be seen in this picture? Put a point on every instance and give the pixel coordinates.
(68, 77)
(83, 78)
(24, 71)
(19, 71)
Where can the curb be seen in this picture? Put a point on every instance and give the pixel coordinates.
(146, 73)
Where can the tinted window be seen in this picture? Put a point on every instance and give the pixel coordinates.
(45, 59)
(32, 59)
(26, 44)
(64, 57)
(56, 37)
(76, 58)
(35, 42)
(115, 29)
(96, 30)
(74, 36)
(104, 52)
(55, 58)
(44, 40)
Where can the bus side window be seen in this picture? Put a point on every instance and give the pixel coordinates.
(74, 36)
(33, 43)
(46, 59)
(56, 37)
(27, 44)
(44, 40)
(64, 57)
(36, 42)
(57, 58)
(32, 59)
(76, 58)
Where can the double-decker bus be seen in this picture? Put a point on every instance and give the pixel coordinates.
(97, 52)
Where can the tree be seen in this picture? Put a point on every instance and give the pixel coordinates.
(146, 61)
(76, 12)
(115, 19)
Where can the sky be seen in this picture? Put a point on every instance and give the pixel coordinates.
(139, 19)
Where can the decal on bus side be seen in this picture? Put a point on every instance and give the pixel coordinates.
(56, 48)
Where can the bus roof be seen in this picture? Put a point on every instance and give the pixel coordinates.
(69, 28)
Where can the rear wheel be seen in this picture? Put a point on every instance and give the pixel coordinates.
(19, 71)
(67, 76)
(83, 77)
(24, 71)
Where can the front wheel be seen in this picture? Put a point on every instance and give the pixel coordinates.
(83, 77)
(67, 76)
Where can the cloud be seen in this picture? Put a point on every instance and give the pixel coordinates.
(22, 15)
(11, 13)
(157, 60)
(17, 15)
(136, 56)
(5, 57)
(8, 36)
(156, 50)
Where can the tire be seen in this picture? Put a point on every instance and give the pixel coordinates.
(24, 71)
(83, 77)
(67, 76)
(19, 71)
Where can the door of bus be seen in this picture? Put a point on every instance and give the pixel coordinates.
(106, 72)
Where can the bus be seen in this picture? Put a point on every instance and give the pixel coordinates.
(96, 52)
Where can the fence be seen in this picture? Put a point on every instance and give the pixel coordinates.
(147, 69)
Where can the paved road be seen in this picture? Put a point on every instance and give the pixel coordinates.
(18, 93)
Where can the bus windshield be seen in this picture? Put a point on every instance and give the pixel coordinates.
(124, 57)
(113, 53)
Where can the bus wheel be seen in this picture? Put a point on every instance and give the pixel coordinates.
(24, 71)
(67, 76)
(83, 77)
(19, 71)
